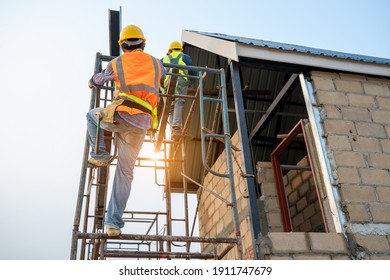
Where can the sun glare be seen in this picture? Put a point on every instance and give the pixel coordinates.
(147, 151)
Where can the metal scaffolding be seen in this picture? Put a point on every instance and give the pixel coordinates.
(89, 240)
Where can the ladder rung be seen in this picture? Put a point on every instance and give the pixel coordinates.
(212, 99)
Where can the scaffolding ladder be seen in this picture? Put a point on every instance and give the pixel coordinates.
(89, 241)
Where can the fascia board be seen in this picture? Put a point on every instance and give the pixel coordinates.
(307, 59)
(220, 47)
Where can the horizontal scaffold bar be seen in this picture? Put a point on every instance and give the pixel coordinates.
(161, 255)
(158, 238)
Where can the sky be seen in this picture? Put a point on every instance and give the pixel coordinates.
(47, 55)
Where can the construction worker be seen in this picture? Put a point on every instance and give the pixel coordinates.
(137, 78)
(175, 55)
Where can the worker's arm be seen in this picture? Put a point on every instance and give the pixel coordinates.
(99, 79)
(162, 70)
(188, 61)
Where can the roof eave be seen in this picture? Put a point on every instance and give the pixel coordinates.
(234, 50)
(307, 59)
(220, 47)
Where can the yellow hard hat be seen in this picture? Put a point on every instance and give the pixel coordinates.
(131, 32)
(175, 45)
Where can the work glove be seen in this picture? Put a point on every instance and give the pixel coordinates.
(90, 85)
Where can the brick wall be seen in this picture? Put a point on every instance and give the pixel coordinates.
(269, 198)
(303, 246)
(278, 245)
(355, 112)
(215, 217)
(304, 207)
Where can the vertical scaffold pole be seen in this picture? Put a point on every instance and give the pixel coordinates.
(228, 151)
(80, 195)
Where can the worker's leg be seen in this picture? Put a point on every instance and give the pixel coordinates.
(129, 143)
(92, 123)
(176, 116)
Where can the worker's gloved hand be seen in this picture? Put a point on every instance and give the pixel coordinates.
(99, 115)
(116, 93)
(152, 133)
(90, 84)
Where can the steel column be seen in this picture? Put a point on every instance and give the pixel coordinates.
(245, 149)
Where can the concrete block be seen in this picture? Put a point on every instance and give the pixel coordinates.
(381, 116)
(385, 144)
(296, 182)
(291, 242)
(349, 158)
(352, 77)
(383, 194)
(357, 213)
(309, 211)
(380, 161)
(380, 213)
(274, 219)
(272, 204)
(276, 257)
(339, 142)
(316, 220)
(376, 89)
(365, 144)
(301, 204)
(348, 86)
(340, 127)
(370, 130)
(341, 258)
(306, 226)
(361, 100)
(373, 243)
(321, 83)
(331, 112)
(356, 114)
(357, 193)
(324, 75)
(311, 257)
(331, 97)
(269, 189)
(380, 257)
(327, 242)
(374, 176)
(348, 175)
(383, 102)
(298, 220)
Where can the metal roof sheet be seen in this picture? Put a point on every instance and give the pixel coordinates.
(296, 48)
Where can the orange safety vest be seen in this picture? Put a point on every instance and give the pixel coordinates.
(137, 76)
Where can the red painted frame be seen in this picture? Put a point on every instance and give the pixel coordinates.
(286, 220)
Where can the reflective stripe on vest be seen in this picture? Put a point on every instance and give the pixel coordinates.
(139, 87)
(176, 58)
(141, 92)
(143, 103)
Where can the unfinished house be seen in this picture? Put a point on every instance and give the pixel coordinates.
(289, 158)
(310, 150)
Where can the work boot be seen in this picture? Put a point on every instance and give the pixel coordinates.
(177, 133)
(112, 232)
(98, 163)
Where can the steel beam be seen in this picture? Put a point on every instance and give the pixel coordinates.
(272, 108)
